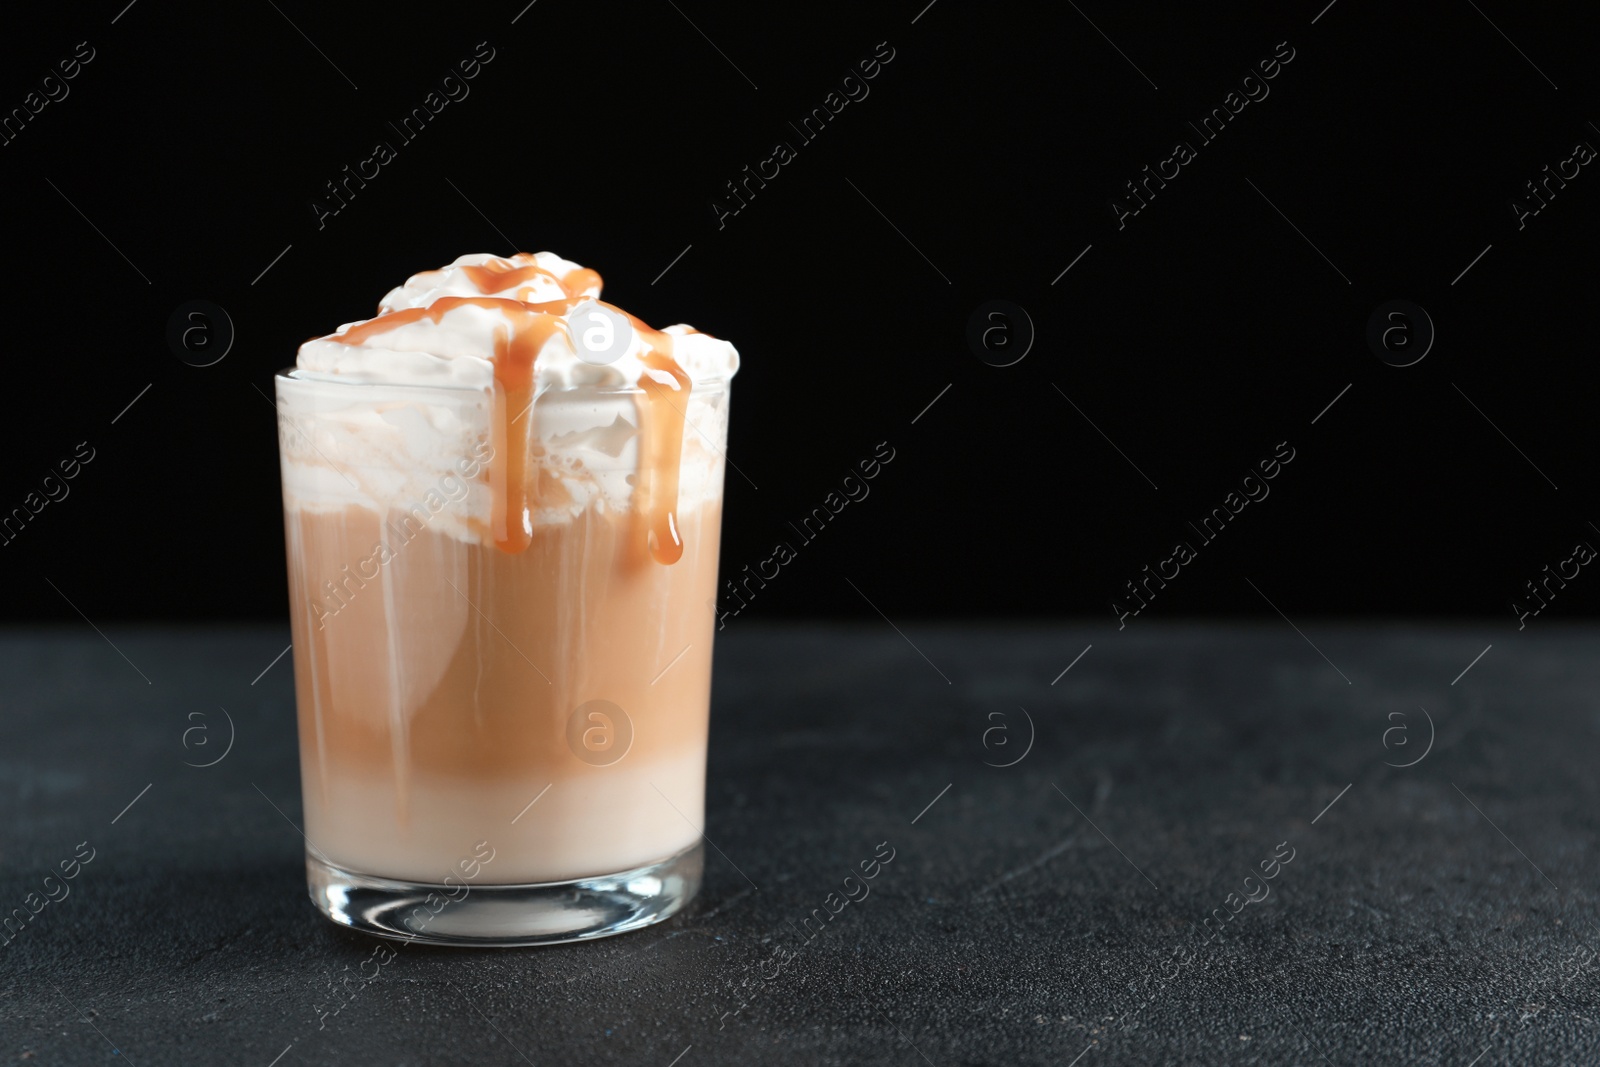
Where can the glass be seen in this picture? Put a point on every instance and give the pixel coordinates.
(500, 745)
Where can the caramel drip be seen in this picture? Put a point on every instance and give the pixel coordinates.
(516, 347)
(662, 451)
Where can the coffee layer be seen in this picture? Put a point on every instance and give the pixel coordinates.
(447, 683)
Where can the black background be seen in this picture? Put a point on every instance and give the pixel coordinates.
(1196, 338)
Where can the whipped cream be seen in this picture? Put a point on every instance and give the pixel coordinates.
(391, 412)
(455, 347)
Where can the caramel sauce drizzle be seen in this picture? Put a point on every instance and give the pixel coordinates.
(498, 275)
(527, 327)
(663, 445)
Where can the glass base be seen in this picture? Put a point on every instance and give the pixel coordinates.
(484, 916)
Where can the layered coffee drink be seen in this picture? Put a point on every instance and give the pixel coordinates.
(502, 500)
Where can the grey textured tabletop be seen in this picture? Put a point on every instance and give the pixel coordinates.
(1209, 854)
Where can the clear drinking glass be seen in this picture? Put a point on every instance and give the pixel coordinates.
(501, 742)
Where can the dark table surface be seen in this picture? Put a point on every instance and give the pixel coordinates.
(1047, 912)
